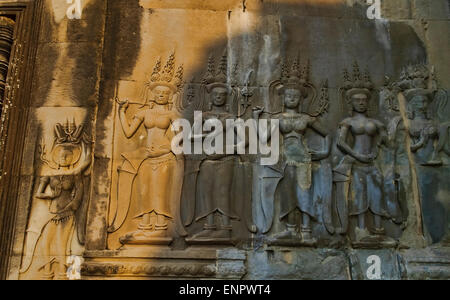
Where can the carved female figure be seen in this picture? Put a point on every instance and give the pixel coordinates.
(296, 164)
(217, 171)
(149, 177)
(419, 88)
(64, 192)
(423, 131)
(425, 108)
(397, 171)
(359, 180)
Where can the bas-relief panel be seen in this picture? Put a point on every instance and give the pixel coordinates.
(152, 75)
(57, 220)
(357, 183)
(365, 194)
(149, 176)
(169, 199)
(161, 196)
(366, 184)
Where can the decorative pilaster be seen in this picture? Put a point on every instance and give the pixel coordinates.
(6, 41)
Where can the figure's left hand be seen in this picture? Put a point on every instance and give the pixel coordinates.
(257, 111)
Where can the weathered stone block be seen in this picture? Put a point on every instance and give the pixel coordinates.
(430, 263)
(375, 265)
(297, 264)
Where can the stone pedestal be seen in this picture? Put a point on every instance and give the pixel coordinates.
(267, 263)
(297, 263)
(162, 262)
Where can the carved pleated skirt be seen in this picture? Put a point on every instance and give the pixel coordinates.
(152, 187)
(215, 187)
(366, 191)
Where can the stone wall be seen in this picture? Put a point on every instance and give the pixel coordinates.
(102, 193)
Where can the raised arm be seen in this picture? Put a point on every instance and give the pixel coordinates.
(87, 161)
(43, 183)
(264, 135)
(129, 129)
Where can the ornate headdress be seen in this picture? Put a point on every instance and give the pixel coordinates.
(166, 76)
(359, 84)
(215, 79)
(68, 132)
(68, 137)
(295, 77)
(414, 81)
(414, 76)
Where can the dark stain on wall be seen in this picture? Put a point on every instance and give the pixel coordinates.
(46, 57)
(122, 38)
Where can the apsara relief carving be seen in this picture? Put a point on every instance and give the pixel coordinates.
(299, 167)
(150, 177)
(58, 213)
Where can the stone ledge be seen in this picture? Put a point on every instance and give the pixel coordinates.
(270, 263)
(429, 263)
(162, 262)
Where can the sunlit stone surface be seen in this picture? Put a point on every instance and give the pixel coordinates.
(360, 186)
